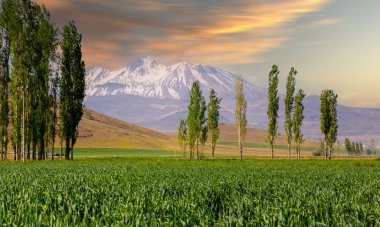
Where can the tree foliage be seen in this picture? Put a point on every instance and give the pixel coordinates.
(4, 91)
(273, 106)
(72, 86)
(329, 120)
(197, 128)
(213, 119)
(289, 106)
(182, 136)
(347, 144)
(32, 40)
(297, 121)
(240, 113)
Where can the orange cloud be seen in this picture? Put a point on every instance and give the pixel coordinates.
(237, 32)
(54, 4)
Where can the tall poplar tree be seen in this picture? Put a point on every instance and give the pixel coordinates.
(347, 144)
(33, 41)
(213, 119)
(273, 106)
(298, 120)
(240, 113)
(53, 112)
(289, 106)
(196, 119)
(182, 136)
(329, 120)
(4, 91)
(72, 86)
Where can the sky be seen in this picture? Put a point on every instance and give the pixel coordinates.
(333, 44)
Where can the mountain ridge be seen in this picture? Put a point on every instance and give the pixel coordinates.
(154, 95)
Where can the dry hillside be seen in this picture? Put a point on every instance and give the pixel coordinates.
(100, 131)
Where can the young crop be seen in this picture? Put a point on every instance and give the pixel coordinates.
(182, 193)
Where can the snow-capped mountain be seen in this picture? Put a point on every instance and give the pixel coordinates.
(154, 95)
(146, 78)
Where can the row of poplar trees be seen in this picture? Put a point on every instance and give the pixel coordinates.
(293, 114)
(202, 123)
(41, 90)
(353, 148)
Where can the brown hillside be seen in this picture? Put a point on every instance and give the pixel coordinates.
(100, 131)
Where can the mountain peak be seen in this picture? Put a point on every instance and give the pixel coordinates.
(146, 62)
(147, 78)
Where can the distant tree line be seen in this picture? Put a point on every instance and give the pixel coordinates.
(41, 91)
(195, 131)
(358, 149)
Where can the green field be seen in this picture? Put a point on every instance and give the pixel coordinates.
(88, 152)
(262, 145)
(170, 191)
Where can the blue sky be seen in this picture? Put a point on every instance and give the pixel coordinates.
(333, 44)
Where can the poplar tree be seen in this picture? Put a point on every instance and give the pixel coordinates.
(273, 106)
(289, 101)
(72, 86)
(53, 113)
(329, 121)
(213, 119)
(361, 147)
(202, 126)
(347, 144)
(182, 136)
(353, 148)
(4, 82)
(297, 121)
(357, 148)
(196, 119)
(240, 113)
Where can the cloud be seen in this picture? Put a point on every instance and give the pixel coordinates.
(211, 32)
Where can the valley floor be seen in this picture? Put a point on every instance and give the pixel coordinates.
(171, 191)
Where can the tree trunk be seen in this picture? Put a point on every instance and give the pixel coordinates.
(34, 151)
(331, 148)
(289, 146)
(43, 152)
(72, 149)
(213, 149)
(198, 158)
(241, 150)
(18, 153)
(23, 126)
(60, 152)
(272, 151)
(240, 143)
(298, 151)
(28, 148)
(67, 152)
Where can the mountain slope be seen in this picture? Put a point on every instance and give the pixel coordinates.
(100, 131)
(147, 78)
(156, 96)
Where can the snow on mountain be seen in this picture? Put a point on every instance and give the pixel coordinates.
(147, 78)
(156, 96)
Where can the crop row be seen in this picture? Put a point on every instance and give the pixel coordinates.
(207, 193)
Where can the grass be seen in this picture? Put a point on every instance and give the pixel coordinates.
(88, 152)
(261, 145)
(141, 191)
